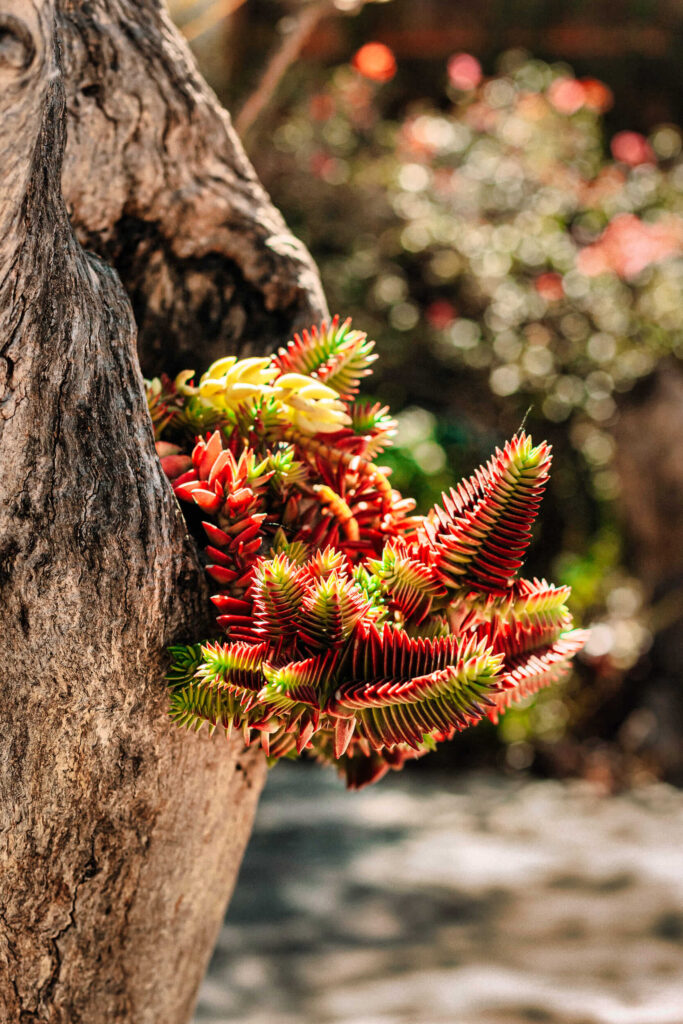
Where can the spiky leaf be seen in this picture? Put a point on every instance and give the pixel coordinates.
(299, 681)
(333, 353)
(410, 584)
(277, 591)
(198, 703)
(237, 667)
(329, 612)
(185, 660)
(481, 533)
(403, 707)
(526, 673)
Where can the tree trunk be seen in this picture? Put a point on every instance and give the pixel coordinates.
(121, 837)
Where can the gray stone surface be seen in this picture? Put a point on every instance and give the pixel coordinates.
(463, 899)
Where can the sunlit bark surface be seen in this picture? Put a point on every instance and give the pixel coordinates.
(120, 836)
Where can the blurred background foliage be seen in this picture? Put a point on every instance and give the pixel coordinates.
(509, 228)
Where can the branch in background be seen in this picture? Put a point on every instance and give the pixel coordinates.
(283, 58)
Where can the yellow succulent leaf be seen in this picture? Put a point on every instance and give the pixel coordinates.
(220, 367)
(181, 382)
(240, 392)
(318, 392)
(305, 385)
(327, 413)
(257, 368)
(211, 387)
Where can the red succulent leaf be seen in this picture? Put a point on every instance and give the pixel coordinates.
(175, 465)
(216, 535)
(526, 673)
(208, 501)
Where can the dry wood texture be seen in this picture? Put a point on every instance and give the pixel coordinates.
(120, 838)
(157, 182)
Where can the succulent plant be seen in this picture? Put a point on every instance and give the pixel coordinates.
(355, 629)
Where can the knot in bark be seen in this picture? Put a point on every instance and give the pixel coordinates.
(17, 46)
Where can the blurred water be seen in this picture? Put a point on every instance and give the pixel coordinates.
(467, 900)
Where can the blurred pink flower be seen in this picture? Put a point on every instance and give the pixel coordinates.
(531, 106)
(464, 71)
(632, 148)
(440, 314)
(628, 245)
(566, 95)
(549, 286)
(320, 163)
(481, 117)
(596, 95)
(608, 182)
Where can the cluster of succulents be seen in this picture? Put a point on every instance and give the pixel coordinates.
(353, 628)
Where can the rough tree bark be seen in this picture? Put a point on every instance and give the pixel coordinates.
(158, 184)
(120, 837)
